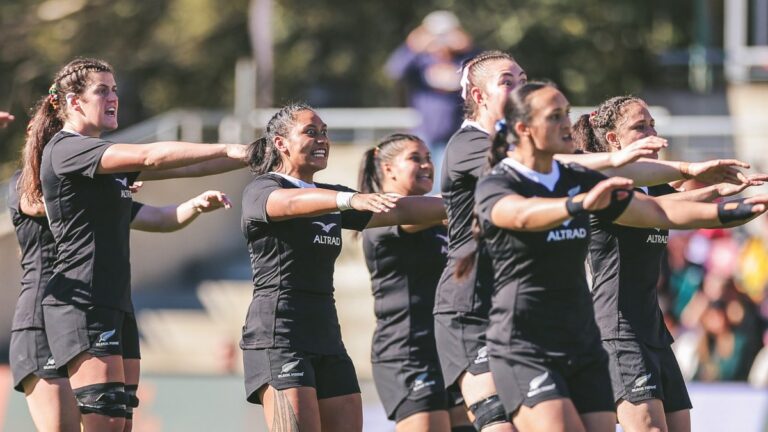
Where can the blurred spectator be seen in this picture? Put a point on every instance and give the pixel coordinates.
(753, 268)
(716, 291)
(731, 326)
(428, 63)
(725, 354)
(5, 118)
(686, 270)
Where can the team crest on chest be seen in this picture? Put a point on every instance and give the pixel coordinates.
(323, 237)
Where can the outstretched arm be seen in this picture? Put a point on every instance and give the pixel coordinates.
(388, 209)
(650, 172)
(412, 211)
(163, 155)
(649, 212)
(720, 190)
(645, 147)
(175, 217)
(515, 212)
(285, 204)
(235, 159)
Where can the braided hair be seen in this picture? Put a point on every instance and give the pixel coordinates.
(48, 117)
(473, 75)
(590, 129)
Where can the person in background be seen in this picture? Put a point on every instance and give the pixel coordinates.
(427, 63)
(295, 362)
(45, 384)
(405, 262)
(626, 264)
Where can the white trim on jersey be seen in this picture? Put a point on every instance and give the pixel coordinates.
(547, 180)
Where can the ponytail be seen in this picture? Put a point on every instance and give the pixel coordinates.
(370, 173)
(499, 145)
(467, 262)
(584, 136)
(43, 126)
(368, 176)
(263, 156)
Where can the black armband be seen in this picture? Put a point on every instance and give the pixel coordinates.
(734, 210)
(620, 199)
(575, 205)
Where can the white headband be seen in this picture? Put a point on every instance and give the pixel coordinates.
(464, 81)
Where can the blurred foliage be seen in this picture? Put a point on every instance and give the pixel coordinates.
(181, 53)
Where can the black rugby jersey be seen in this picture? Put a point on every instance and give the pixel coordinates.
(405, 268)
(540, 294)
(292, 262)
(626, 263)
(464, 161)
(38, 257)
(90, 217)
(38, 254)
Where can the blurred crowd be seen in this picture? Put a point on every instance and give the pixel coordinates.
(713, 294)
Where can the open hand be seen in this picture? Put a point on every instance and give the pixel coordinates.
(375, 202)
(717, 171)
(210, 200)
(599, 197)
(645, 147)
(728, 189)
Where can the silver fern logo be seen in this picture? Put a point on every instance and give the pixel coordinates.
(535, 386)
(641, 384)
(106, 335)
(290, 366)
(289, 369)
(104, 339)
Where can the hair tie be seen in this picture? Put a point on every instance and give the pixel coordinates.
(376, 151)
(501, 126)
(592, 116)
(53, 96)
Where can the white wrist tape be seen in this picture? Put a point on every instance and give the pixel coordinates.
(344, 200)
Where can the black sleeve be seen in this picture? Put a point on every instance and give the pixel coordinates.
(350, 219)
(586, 177)
(468, 155)
(490, 189)
(135, 208)
(255, 198)
(78, 155)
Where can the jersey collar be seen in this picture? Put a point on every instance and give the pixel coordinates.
(547, 180)
(296, 182)
(71, 132)
(475, 125)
